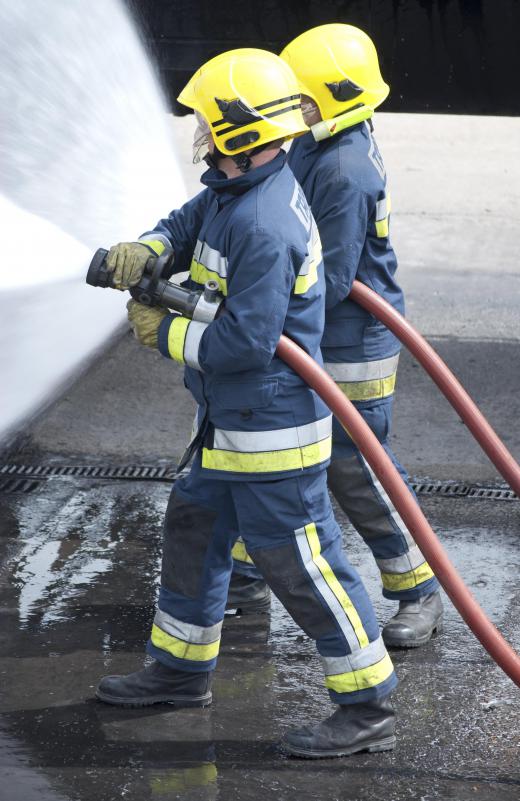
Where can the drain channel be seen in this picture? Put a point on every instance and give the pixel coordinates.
(26, 478)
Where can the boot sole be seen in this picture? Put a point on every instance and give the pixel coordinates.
(179, 701)
(391, 643)
(386, 744)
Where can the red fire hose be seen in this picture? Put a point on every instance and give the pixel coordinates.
(445, 380)
(404, 501)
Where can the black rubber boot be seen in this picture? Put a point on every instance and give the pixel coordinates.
(249, 596)
(352, 728)
(415, 622)
(156, 684)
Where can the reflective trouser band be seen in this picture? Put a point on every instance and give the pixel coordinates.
(365, 380)
(240, 553)
(329, 588)
(200, 274)
(406, 571)
(361, 679)
(157, 243)
(368, 390)
(408, 580)
(273, 451)
(184, 338)
(185, 640)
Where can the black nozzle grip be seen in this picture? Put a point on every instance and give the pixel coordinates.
(97, 274)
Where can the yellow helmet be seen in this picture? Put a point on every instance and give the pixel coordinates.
(248, 97)
(337, 66)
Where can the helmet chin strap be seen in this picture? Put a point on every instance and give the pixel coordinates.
(242, 160)
(212, 159)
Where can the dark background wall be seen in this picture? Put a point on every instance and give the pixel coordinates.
(444, 56)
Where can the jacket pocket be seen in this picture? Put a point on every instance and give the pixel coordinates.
(238, 396)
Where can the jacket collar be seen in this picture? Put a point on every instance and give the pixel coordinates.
(309, 146)
(218, 181)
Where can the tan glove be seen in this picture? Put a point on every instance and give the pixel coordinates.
(127, 261)
(145, 322)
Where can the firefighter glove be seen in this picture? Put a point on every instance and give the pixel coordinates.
(145, 322)
(127, 262)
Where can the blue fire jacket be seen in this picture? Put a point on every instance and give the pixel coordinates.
(256, 237)
(344, 181)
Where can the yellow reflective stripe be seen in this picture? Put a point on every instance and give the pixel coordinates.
(184, 650)
(337, 589)
(304, 282)
(239, 553)
(177, 337)
(201, 274)
(405, 581)
(156, 245)
(184, 778)
(382, 215)
(361, 679)
(267, 461)
(382, 227)
(368, 390)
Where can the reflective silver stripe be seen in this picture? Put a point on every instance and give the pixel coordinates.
(192, 342)
(373, 154)
(391, 510)
(362, 658)
(156, 238)
(402, 564)
(300, 206)
(280, 439)
(188, 632)
(362, 371)
(313, 243)
(210, 258)
(381, 209)
(325, 591)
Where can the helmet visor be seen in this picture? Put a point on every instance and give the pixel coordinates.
(201, 139)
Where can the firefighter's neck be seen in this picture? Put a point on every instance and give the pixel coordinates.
(228, 166)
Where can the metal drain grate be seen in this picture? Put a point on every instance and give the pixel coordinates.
(456, 490)
(491, 493)
(446, 489)
(136, 472)
(26, 478)
(18, 485)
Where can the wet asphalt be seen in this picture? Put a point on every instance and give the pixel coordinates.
(80, 564)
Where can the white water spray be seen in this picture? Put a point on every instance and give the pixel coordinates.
(86, 160)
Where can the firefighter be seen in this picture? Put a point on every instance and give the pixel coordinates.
(263, 442)
(340, 169)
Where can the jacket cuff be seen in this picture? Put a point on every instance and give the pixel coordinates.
(179, 339)
(162, 335)
(157, 243)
